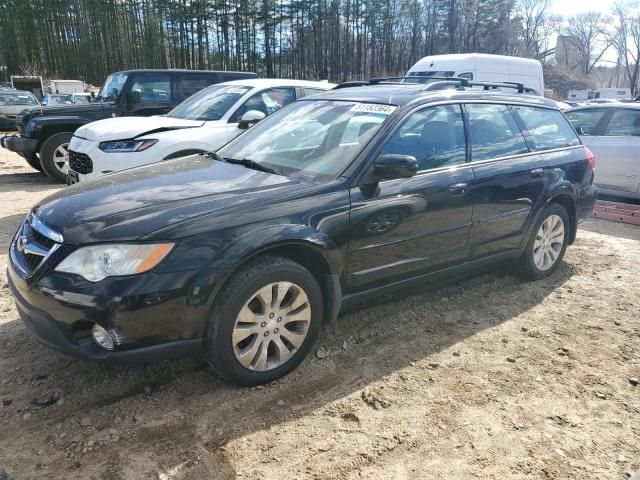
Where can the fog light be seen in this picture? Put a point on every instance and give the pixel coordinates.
(102, 337)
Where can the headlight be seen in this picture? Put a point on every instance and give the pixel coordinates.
(122, 146)
(100, 261)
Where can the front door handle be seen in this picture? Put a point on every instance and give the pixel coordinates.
(537, 172)
(458, 188)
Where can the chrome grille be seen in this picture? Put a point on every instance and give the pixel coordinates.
(80, 162)
(33, 244)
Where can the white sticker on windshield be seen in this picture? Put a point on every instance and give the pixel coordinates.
(236, 90)
(374, 108)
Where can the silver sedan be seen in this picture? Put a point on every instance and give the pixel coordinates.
(612, 132)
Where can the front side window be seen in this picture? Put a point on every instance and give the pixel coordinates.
(153, 88)
(546, 129)
(266, 102)
(624, 123)
(314, 139)
(493, 132)
(209, 104)
(434, 136)
(585, 121)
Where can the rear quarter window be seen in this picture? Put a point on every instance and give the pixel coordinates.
(546, 129)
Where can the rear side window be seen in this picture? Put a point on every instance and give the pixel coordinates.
(493, 132)
(546, 129)
(192, 84)
(624, 123)
(311, 91)
(585, 121)
(153, 88)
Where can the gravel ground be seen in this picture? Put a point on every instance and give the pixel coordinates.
(488, 377)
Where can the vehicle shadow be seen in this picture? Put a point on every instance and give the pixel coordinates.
(185, 406)
(611, 228)
(8, 226)
(32, 181)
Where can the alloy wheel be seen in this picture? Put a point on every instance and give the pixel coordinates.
(271, 326)
(61, 158)
(548, 243)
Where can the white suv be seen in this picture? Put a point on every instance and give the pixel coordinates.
(203, 122)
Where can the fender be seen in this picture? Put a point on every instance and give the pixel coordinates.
(560, 188)
(44, 127)
(206, 286)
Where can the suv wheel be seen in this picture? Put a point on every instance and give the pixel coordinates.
(33, 160)
(54, 156)
(547, 244)
(264, 323)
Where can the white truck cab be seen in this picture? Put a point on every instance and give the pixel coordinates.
(481, 67)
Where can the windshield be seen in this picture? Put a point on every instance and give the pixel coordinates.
(17, 98)
(431, 73)
(55, 99)
(315, 139)
(112, 87)
(209, 104)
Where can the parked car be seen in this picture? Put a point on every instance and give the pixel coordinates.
(202, 123)
(243, 253)
(45, 131)
(612, 132)
(12, 102)
(480, 67)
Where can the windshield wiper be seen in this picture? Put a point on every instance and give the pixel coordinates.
(245, 162)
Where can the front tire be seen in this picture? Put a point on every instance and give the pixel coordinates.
(264, 321)
(547, 244)
(54, 156)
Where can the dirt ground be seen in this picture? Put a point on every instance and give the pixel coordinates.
(486, 377)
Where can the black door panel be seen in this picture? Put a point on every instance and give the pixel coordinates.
(504, 192)
(406, 226)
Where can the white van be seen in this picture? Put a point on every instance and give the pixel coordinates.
(481, 67)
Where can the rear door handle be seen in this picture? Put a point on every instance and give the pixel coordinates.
(537, 172)
(458, 188)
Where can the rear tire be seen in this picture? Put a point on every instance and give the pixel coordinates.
(33, 160)
(54, 156)
(264, 321)
(548, 242)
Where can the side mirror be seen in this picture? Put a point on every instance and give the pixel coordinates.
(134, 97)
(584, 130)
(249, 118)
(68, 102)
(395, 165)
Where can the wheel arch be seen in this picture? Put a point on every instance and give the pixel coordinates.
(568, 202)
(312, 255)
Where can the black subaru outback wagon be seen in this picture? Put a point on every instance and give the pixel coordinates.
(243, 253)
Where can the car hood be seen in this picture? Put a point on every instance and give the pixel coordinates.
(66, 110)
(133, 203)
(131, 127)
(13, 109)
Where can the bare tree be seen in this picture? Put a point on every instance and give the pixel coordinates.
(588, 30)
(535, 19)
(625, 38)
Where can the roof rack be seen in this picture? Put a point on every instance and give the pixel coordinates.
(442, 82)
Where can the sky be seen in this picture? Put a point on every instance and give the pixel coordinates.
(571, 7)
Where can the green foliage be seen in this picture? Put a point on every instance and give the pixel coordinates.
(334, 39)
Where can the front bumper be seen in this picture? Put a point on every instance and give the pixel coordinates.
(18, 144)
(7, 123)
(153, 326)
